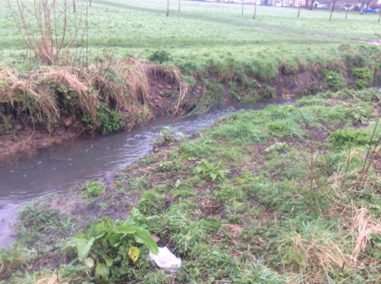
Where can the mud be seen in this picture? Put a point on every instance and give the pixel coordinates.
(164, 95)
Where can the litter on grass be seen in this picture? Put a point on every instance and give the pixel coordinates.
(165, 259)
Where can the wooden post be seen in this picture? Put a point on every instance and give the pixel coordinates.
(379, 18)
(298, 12)
(73, 6)
(255, 10)
(346, 14)
(167, 8)
(89, 2)
(243, 2)
(179, 5)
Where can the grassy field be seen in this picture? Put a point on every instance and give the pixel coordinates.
(203, 32)
(288, 194)
(284, 195)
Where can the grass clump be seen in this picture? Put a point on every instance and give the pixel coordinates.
(94, 188)
(364, 77)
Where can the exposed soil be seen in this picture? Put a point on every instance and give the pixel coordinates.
(164, 99)
(23, 141)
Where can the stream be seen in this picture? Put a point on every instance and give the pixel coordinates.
(56, 169)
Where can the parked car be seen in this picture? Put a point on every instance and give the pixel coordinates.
(322, 6)
(369, 10)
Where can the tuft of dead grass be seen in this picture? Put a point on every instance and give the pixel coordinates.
(126, 86)
(364, 225)
(319, 253)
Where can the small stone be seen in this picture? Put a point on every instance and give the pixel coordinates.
(161, 93)
(18, 127)
(68, 122)
(199, 87)
(169, 87)
(156, 100)
(160, 87)
(37, 136)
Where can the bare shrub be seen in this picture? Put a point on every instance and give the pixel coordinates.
(49, 27)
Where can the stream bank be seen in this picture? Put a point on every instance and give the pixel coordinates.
(55, 169)
(48, 106)
(243, 196)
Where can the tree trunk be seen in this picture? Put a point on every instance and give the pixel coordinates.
(362, 7)
(379, 18)
(89, 2)
(312, 4)
(346, 14)
(332, 9)
(167, 8)
(298, 12)
(243, 2)
(179, 5)
(255, 10)
(73, 6)
(306, 4)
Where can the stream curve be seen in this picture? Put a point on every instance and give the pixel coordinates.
(56, 169)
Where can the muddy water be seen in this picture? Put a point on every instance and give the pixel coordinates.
(56, 169)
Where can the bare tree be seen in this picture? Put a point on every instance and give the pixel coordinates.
(48, 27)
(332, 9)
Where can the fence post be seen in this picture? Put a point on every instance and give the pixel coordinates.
(298, 12)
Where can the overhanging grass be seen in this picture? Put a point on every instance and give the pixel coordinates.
(290, 209)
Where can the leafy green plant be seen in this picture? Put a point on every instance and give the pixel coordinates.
(209, 171)
(166, 134)
(94, 188)
(109, 119)
(110, 251)
(364, 76)
(333, 81)
(348, 137)
(166, 137)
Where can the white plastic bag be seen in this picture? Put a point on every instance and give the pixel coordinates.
(165, 259)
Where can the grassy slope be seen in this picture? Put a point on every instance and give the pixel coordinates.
(289, 210)
(205, 31)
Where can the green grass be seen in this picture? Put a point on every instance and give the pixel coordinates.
(270, 196)
(203, 34)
